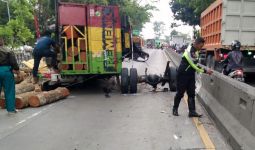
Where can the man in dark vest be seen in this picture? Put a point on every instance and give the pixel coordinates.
(186, 77)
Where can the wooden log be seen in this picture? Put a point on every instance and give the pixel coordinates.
(69, 59)
(82, 44)
(68, 32)
(64, 66)
(78, 66)
(21, 100)
(2, 103)
(24, 87)
(22, 76)
(26, 70)
(83, 56)
(48, 97)
(72, 51)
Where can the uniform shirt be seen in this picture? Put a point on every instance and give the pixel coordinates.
(44, 44)
(7, 58)
(189, 61)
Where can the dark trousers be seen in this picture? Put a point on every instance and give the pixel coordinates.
(38, 55)
(185, 82)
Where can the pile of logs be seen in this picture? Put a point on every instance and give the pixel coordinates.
(27, 94)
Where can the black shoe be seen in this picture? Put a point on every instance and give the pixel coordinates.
(195, 114)
(175, 112)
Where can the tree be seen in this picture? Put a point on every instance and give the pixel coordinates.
(16, 31)
(174, 32)
(167, 39)
(158, 28)
(189, 11)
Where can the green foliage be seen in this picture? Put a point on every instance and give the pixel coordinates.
(138, 14)
(167, 39)
(158, 28)
(16, 31)
(189, 11)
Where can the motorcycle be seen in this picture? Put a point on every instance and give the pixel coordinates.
(236, 74)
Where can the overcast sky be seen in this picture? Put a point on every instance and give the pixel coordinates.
(165, 15)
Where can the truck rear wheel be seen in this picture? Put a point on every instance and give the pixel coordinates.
(133, 80)
(124, 81)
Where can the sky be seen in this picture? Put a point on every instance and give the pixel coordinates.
(165, 15)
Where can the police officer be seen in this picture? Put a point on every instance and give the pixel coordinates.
(44, 48)
(234, 59)
(186, 77)
(8, 66)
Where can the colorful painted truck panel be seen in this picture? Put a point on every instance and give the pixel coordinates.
(90, 39)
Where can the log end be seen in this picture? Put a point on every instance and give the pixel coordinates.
(65, 92)
(34, 101)
(19, 103)
(2, 103)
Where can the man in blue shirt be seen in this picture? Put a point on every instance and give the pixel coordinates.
(44, 48)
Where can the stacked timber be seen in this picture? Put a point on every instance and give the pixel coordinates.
(28, 94)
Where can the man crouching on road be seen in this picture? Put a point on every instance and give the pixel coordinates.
(8, 66)
(44, 48)
(186, 77)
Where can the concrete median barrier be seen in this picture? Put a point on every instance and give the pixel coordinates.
(230, 103)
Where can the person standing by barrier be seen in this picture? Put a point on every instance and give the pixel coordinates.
(8, 66)
(186, 77)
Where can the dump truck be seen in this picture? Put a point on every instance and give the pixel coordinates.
(93, 39)
(221, 23)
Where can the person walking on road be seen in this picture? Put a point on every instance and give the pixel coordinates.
(44, 48)
(8, 66)
(186, 77)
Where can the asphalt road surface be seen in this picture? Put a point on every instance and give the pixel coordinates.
(87, 120)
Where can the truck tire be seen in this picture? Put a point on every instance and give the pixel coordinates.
(124, 81)
(172, 79)
(133, 80)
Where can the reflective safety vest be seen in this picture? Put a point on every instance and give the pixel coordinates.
(192, 59)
